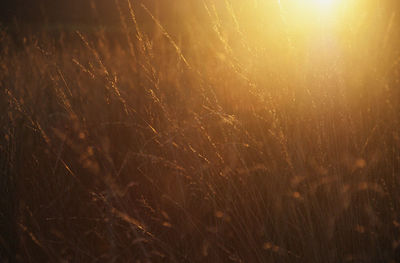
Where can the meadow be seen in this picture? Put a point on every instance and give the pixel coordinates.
(203, 131)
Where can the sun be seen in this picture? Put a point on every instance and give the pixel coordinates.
(307, 7)
(310, 11)
(323, 4)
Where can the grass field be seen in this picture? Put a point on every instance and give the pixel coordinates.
(204, 131)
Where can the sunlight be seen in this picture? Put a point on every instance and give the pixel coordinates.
(323, 5)
(306, 14)
(317, 7)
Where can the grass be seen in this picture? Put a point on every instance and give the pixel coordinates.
(231, 137)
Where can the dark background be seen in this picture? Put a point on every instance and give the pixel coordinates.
(27, 17)
(72, 14)
(44, 13)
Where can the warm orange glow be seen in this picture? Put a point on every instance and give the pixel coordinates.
(311, 18)
(200, 131)
(312, 10)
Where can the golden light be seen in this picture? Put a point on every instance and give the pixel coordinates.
(306, 14)
(323, 5)
(316, 7)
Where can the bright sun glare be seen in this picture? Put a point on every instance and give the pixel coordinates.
(305, 13)
(323, 4)
(316, 5)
